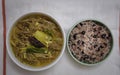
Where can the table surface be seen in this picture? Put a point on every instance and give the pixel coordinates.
(67, 13)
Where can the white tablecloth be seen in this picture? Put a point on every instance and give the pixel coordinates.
(67, 13)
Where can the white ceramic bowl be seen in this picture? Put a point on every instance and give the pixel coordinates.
(24, 66)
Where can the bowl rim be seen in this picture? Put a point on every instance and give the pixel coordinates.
(82, 63)
(27, 67)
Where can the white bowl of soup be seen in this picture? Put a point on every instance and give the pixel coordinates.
(35, 41)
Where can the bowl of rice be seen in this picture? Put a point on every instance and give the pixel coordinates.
(89, 42)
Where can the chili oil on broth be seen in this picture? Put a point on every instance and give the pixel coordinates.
(36, 40)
